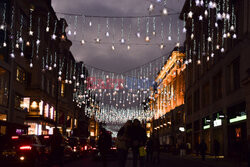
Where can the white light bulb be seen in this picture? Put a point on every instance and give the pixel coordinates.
(208, 58)
(212, 55)
(82, 76)
(59, 78)
(197, 2)
(70, 82)
(54, 65)
(178, 44)
(201, 2)
(47, 29)
(46, 66)
(216, 24)
(232, 28)
(90, 23)
(184, 30)
(17, 45)
(209, 39)
(219, 16)
(190, 14)
(206, 13)
(53, 36)
(31, 65)
(147, 39)
(12, 55)
(66, 81)
(210, 4)
(200, 17)
(169, 38)
(77, 84)
(164, 11)
(97, 40)
(20, 40)
(2, 27)
(21, 54)
(222, 50)
(153, 32)
(82, 42)
(192, 36)
(113, 47)
(60, 73)
(50, 68)
(38, 42)
(74, 77)
(234, 36)
(228, 35)
(198, 62)
(224, 35)
(214, 5)
(218, 47)
(69, 32)
(122, 40)
(190, 61)
(227, 16)
(31, 33)
(138, 34)
(74, 32)
(151, 7)
(107, 34)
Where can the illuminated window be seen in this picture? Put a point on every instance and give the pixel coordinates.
(41, 107)
(51, 112)
(92, 134)
(34, 128)
(25, 104)
(20, 74)
(62, 89)
(3, 117)
(46, 110)
(4, 87)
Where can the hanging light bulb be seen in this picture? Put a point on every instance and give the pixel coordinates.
(197, 2)
(147, 39)
(227, 16)
(70, 82)
(190, 60)
(50, 68)
(154, 33)
(107, 34)
(201, 2)
(60, 73)
(178, 44)
(234, 36)
(232, 28)
(206, 13)
(75, 33)
(219, 16)
(27, 43)
(31, 33)
(138, 34)
(161, 46)
(20, 40)
(224, 35)
(190, 14)
(53, 36)
(228, 35)
(2, 27)
(214, 5)
(192, 36)
(151, 7)
(31, 65)
(164, 11)
(59, 78)
(66, 81)
(200, 17)
(210, 4)
(12, 55)
(90, 23)
(198, 62)
(38, 42)
(113, 47)
(209, 39)
(184, 30)
(169, 38)
(122, 40)
(97, 40)
(217, 47)
(47, 29)
(82, 42)
(77, 84)
(208, 58)
(54, 65)
(216, 24)
(21, 54)
(82, 76)
(222, 50)
(128, 47)
(69, 32)
(17, 45)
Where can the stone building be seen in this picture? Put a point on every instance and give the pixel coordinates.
(217, 74)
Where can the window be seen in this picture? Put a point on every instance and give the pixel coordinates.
(20, 74)
(62, 89)
(46, 110)
(18, 102)
(205, 94)
(233, 75)
(4, 87)
(217, 88)
(196, 100)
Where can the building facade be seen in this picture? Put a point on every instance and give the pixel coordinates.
(167, 99)
(217, 75)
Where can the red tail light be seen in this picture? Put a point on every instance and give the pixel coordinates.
(14, 137)
(45, 137)
(25, 148)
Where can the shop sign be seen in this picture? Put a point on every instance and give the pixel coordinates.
(238, 118)
(217, 122)
(206, 127)
(182, 129)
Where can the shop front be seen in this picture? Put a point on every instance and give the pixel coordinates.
(218, 133)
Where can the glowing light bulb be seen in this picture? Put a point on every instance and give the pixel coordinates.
(2, 27)
(107, 34)
(82, 42)
(66, 81)
(214, 5)
(82, 76)
(122, 40)
(178, 44)
(59, 78)
(218, 47)
(212, 55)
(21, 54)
(210, 4)
(53, 36)
(224, 35)
(222, 50)
(190, 14)
(128, 47)
(206, 13)
(90, 23)
(60, 73)
(227, 16)
(38, 42)
(147, 39)
(198, 62)
(192, 36)
(54, 65)
(209, 39)
(138, 34)
(162, 46)
(151, 7)
(169, 38)
(184, 30)
(200, 17)
(216, 24)
(228, 35)
(47, 29)
(97, 40)
(69, 32)
(20, 40)
(197, 2)
(12, 55)
(190, 61)
(70, 82)
(74, 32)
(31, 65)
(113, 47)
(234, 36)
(27, 43)
(164, 11)
(208, 58)
(201, 2)
(153, 32)
(219, 16)
(17, 45)
(232, 28)
(31, 33)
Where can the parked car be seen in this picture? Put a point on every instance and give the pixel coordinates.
(26, 150)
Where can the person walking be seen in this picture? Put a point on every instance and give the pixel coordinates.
(57, 149)
(138, 138)
(104, 145)
(123, 143)
(203, 149)
(156, 150)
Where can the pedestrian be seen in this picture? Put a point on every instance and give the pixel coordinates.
(156, 150)
(104, 145)
(138, 138)
(57, 149)
(203, 149)
(216, 148)
(123, 143)
(182, 149)
(149, 149)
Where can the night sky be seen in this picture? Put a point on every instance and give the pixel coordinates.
(101, 55)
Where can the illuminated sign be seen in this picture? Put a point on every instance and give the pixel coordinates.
(206, 127)
(238, 118)
(217, 122)
(182, 129)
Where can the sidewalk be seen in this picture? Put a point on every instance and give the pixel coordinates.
(211, 161)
